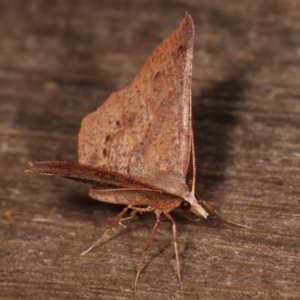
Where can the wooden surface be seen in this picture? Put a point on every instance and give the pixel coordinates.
(59, 60)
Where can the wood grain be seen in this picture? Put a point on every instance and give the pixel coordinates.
(59, 61)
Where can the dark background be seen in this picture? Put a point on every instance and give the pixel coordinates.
(59, 60)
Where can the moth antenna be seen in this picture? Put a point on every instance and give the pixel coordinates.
(213, 211)
(111, 226)
(193, 161)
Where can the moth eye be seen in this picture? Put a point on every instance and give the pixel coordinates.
(185, 205)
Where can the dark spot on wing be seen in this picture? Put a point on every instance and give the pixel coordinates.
(181, 49)
(107, 138)
(104, 152)
(118, 123)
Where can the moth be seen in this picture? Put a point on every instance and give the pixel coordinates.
(136, 149)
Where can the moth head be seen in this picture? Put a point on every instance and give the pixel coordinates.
(190, 203)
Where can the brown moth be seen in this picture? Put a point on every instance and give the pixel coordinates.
(137, 147)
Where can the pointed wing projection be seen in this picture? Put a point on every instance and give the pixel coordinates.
(99, 177)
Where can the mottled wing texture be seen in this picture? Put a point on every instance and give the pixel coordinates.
(144, 130)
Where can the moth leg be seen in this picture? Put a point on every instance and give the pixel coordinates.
(131, 216)
(147, 245)
(111, 226)
(175, 246)
(213, 211)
